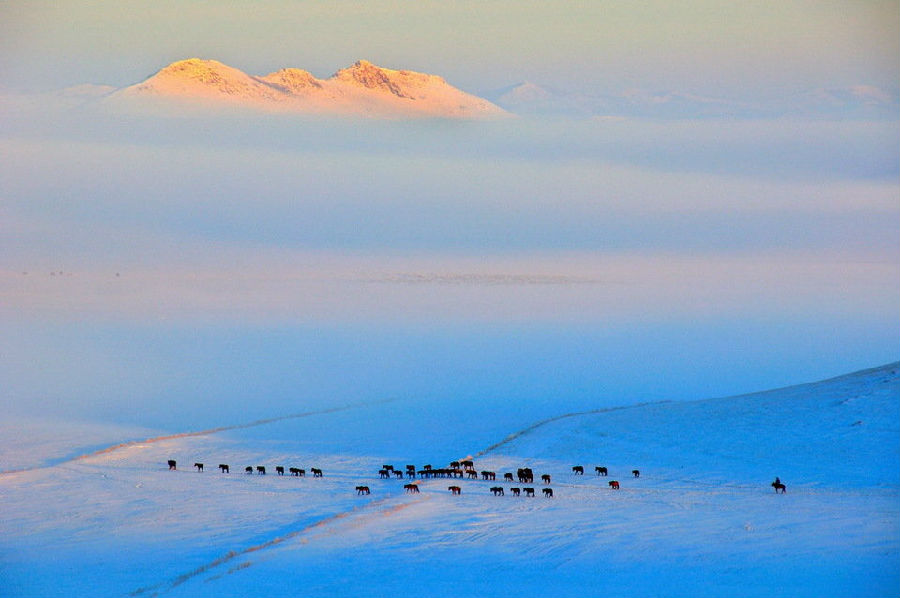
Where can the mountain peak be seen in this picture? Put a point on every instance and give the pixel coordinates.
(194, 68)
(292, 80)
(370, 76)
(360, 89)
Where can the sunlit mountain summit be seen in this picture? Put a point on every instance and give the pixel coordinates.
(363, 89)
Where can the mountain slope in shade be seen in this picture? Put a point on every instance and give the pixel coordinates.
(362, 89)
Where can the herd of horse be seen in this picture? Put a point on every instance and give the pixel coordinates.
(260, 469)
(466, 469)
(457, 469)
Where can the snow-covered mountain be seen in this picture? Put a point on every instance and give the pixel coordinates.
(362, 89)
(529, 98)
(700, 519)
(861, 101)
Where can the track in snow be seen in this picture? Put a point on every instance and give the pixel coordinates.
(259, 422)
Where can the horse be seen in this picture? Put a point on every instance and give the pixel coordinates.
(248, 469)
(454, 489)
(548, 492)
(578, 470)
(172, 464)
(601, 470)
(317, 473)
(279, 470)
(515, 491)
(199, 466)
(472, 474)
(414, 488)
(779, 486)
(362, 490)
(636, 473)
(545, 478)
(528, 491)
(468, 464)
(261, 470)
(223, 468)
(507, 477)
(454, 464)
(488, 475)
(410, 473)
(497, 491)
(384, 473)
(398, 474)
(614, 485)
(294, 471)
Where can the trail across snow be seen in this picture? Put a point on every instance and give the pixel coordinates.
(53, 461)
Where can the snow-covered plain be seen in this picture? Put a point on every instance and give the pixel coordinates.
(701, 520)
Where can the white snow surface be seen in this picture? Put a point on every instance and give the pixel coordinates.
(82, 518)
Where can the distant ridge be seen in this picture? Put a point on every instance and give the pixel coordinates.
(857, 101)
(362, 89)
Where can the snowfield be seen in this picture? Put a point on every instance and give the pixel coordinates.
(92, 510)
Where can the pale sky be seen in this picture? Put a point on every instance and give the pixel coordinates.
(574, 262)
(729, 49)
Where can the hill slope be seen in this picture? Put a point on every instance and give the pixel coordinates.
(700, 520)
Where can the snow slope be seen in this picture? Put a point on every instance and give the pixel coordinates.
(701, 520)
(362, 89)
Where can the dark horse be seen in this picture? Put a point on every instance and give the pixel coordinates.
(454, 489)
(614, 485)
(578, 470)
(199, 466)
(601, 470)
(779, 486)
(548, 492)
(172, 464)
(362, 490)
(223, 468)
